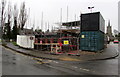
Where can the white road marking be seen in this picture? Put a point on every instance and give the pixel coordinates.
(50, 66)
(80, 68)
(85, 69)
(55, 62)
(75, 67)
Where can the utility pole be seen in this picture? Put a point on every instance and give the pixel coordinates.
(34, 24)
(75, 17)
(67, 13)
(42, 21)
(75, 21)
(60, 21)
(45, 26)
(61, 16)
(48, 26)
(28, 19)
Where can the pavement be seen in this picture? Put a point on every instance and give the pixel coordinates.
(108, 53)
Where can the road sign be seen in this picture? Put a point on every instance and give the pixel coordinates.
(31, 38)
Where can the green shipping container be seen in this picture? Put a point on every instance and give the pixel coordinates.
(91, 40)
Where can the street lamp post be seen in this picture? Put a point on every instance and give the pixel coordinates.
(90, 8)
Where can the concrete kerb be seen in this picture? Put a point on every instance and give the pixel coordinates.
(112, 57)
(28, 54)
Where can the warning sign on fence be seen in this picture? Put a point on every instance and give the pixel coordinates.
(66, 42)
(31, 38)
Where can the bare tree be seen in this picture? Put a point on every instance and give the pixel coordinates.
(15, 11)
(15, 30)
(9, 13)
(15, 16)
(3, 15)
(9, 17)
(23, 15)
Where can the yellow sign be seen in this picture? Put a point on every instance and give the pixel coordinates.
(66, 42)
(83, 36)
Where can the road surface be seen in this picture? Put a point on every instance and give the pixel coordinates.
(18, 64)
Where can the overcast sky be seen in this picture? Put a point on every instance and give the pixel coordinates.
(51, 10)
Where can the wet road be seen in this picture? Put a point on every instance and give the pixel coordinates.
(0, 60)
(17, 64)
(101, 67)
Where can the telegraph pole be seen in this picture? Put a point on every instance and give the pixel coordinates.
(42, 21)
(67, 13)
(60, 22)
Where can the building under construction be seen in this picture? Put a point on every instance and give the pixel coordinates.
(59, 41)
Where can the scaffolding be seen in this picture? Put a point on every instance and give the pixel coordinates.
(57, 45)
(60, 41)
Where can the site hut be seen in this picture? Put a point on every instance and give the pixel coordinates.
(26, 38)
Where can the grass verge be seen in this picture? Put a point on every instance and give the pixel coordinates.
(14, 43)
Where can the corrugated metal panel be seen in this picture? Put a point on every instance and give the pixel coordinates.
(92, 22)
(92, 40)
